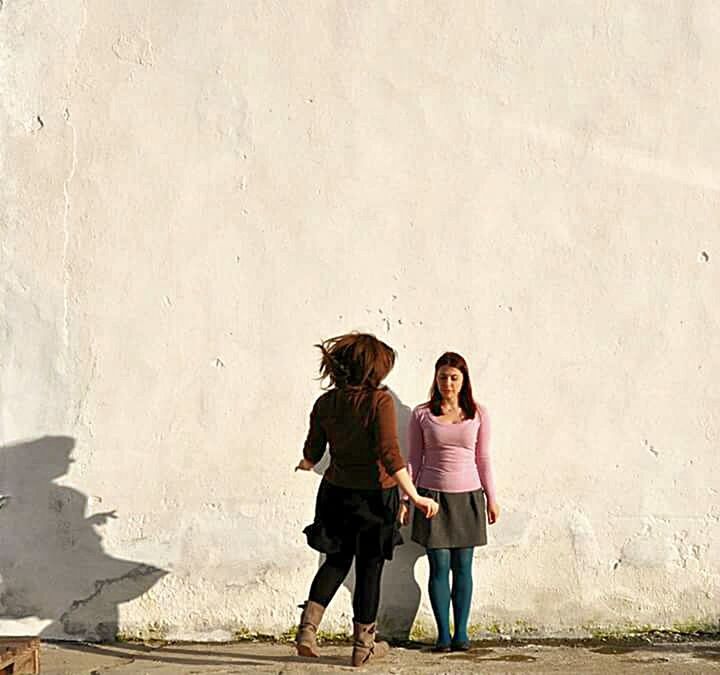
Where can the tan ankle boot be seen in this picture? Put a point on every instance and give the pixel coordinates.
(364, 645)
(306, 639)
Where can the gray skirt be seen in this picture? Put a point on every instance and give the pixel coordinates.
(461, 521)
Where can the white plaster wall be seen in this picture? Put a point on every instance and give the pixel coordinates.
(193, 193)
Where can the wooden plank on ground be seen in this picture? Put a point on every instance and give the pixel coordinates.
(19, 656)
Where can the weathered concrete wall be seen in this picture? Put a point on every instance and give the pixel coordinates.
(193, 193)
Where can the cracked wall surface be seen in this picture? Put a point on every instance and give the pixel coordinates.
(195, 193)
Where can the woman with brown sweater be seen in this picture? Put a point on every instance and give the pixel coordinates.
(356, 511)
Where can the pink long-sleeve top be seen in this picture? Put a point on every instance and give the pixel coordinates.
(450, 457)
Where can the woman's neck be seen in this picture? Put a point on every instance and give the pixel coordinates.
(451, 403)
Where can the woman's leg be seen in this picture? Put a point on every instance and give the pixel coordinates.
(462, 588)
(326, 582)
(329, 577)
(439, 589)
(366, 599)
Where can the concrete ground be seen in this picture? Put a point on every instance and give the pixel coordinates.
(268, 657)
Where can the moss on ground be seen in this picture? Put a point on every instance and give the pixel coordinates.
(519, 630)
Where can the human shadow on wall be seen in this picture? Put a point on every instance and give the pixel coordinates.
(52, 563)
(400, 593)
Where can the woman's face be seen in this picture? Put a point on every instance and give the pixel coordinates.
(449, 381)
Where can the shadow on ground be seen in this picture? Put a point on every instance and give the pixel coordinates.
(608, 655)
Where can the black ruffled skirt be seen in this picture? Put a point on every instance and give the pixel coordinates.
(347, 519)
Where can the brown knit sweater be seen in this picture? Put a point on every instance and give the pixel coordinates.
(364, 448)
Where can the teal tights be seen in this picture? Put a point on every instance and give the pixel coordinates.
(459, 560)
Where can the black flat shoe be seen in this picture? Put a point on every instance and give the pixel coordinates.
(441, 649)
(460, 646)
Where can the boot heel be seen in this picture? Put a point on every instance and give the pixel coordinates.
(365, 648)
(306, 638)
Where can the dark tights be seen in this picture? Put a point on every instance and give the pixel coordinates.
(368, 572)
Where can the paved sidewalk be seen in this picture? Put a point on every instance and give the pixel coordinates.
(266, 657)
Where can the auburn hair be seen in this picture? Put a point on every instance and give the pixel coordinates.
(355, 361)
(465, 397)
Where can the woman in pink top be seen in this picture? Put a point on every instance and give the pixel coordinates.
(449, 462)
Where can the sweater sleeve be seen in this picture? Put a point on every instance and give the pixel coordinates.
(416, 446)
(388, 445)
(316, 440)
(482, 455)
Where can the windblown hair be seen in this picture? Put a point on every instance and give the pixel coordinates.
(465, 397)
(356, 364)
(355, 361)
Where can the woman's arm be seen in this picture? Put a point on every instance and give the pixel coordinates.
(387, 437)
(315, 443)
(416, 454)
(389, 450)
(484, 465)
(416, 446)
(428, 506)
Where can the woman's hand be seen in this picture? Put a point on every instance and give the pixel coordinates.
(428, 506)
(404, 513)
(304, 465)
(493, 512)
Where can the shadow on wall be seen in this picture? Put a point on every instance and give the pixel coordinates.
(52, 563)
(400, 594)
